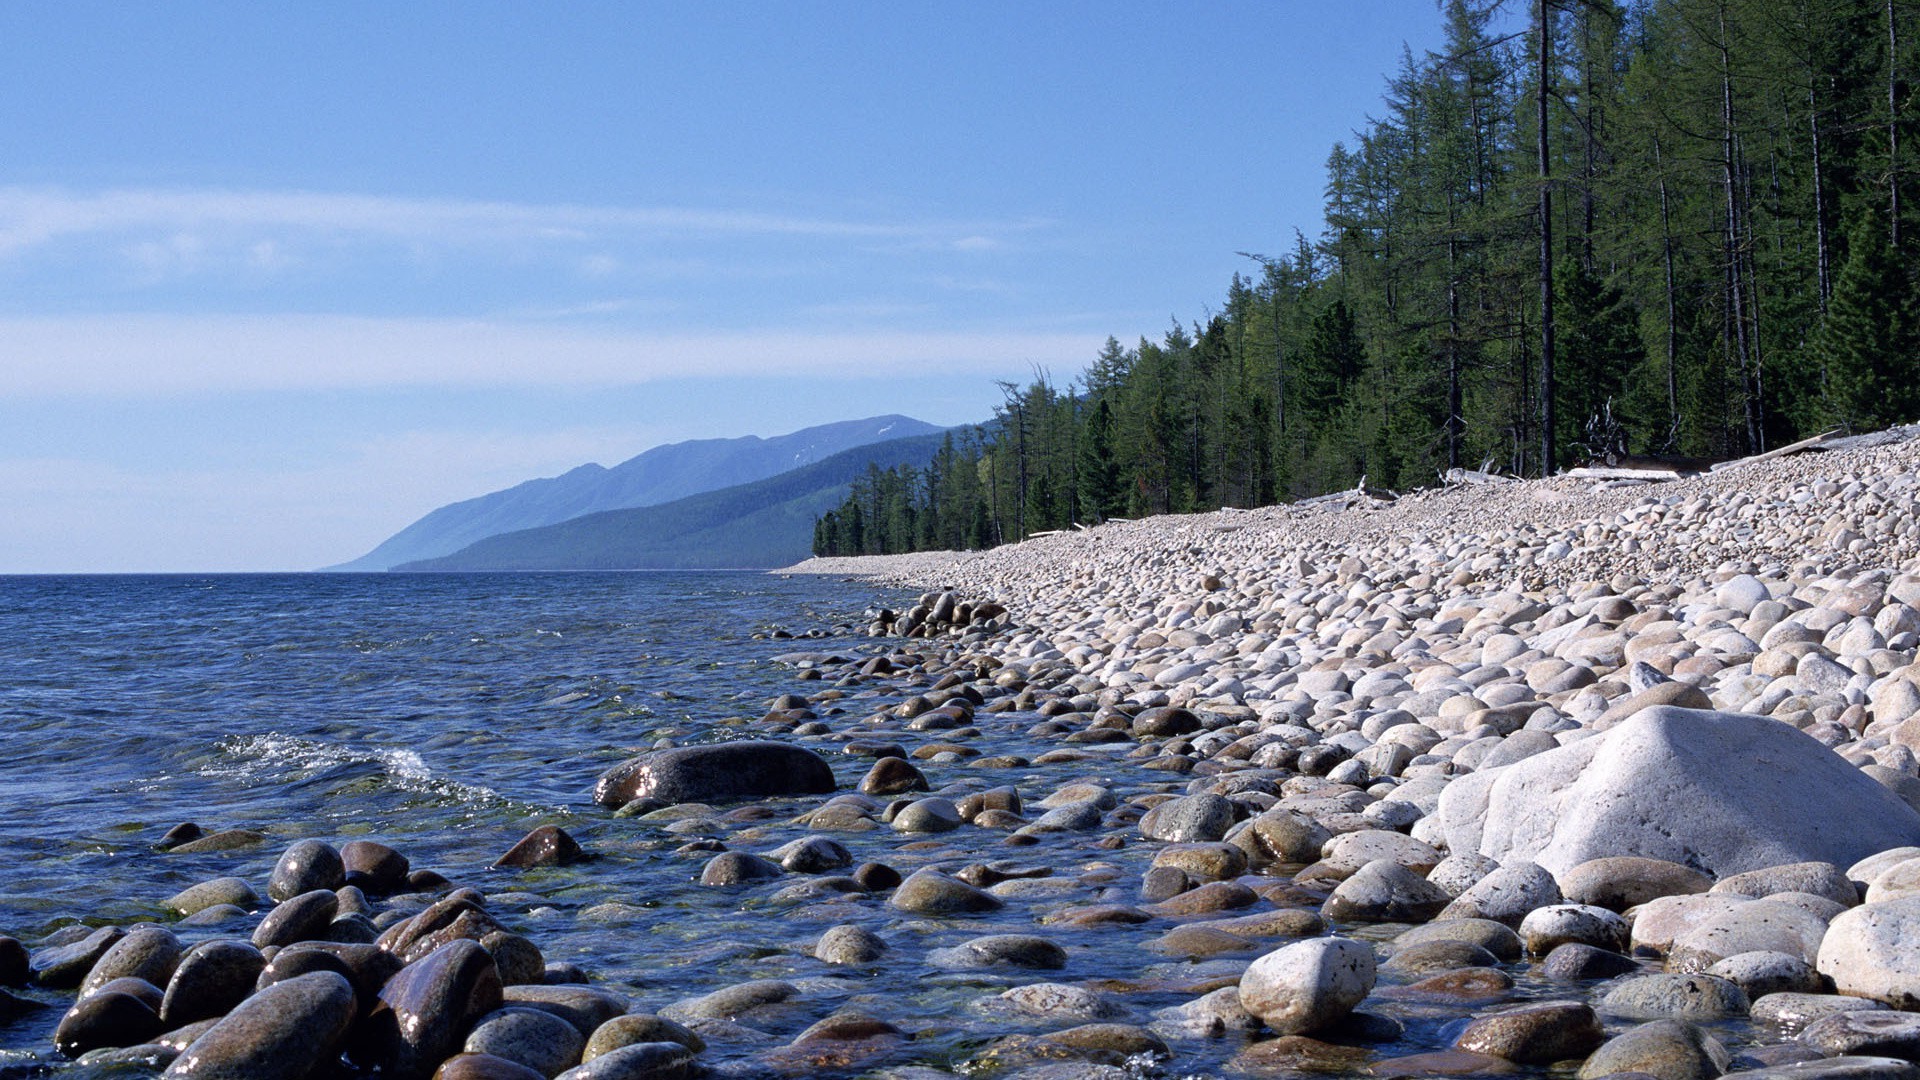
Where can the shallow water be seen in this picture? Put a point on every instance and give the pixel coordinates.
(448, 715)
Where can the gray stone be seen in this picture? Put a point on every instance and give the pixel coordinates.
(62, 967)
(1877, 1033)
(585, 1007)
(1665, 996)
(849, 944)
(1869, 952)
(1758, 974)
(1545, 929)
(1497, 938)
(532, 1037)
(1721, 792)
(1667, 1049)
(929, 815)
(1791, 1013)
(226, 890)
(424, 1011)
(930, 892)
(305, 866)
(146, 952)
(284, 1032)
(1507, 895)
(302, 918)
(1754, 926)
(1819, 878)
(1000, 950)
(1535, 1034)
(1623, 881)
(1384, 891)
(639, 1028)
(738, 868)
(637, 1061)
(1189, 818)
(716, 772)
(212, 978)
(1840, 1068)
(1574, 961)
(1308, 985)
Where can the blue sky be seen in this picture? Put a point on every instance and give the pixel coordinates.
(277, 279)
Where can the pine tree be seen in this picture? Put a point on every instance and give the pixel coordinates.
(1869, 345)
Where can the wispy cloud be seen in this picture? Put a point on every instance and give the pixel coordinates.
(134, 355)
(35, 217)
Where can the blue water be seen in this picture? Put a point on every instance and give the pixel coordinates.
(444, 714)
(449, 715)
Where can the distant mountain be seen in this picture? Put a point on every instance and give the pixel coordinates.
(763, 524)
(659, 475)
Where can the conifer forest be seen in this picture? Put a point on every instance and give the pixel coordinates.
(1581, 230)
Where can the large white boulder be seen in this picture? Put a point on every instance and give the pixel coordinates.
(1720, 792)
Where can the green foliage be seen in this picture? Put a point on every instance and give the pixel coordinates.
(1706, 300)
(1869, 345)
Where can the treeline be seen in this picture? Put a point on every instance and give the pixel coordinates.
(1699, 240)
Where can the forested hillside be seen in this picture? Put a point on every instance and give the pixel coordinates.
(1700, 240)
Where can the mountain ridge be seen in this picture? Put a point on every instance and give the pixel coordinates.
(762, 524)
(661, 474)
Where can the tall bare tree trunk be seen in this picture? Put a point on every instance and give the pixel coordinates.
(1548, 460)
(1673, 316)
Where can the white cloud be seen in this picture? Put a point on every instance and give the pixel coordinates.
(35, 217)
(144, 355)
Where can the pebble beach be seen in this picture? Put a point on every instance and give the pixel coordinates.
(1562, 777)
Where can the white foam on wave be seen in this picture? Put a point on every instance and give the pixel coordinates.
(289, 758)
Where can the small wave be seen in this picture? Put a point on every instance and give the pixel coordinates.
(294, 761)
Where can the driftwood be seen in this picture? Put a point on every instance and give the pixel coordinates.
(1602, 472)
(1454, 477)
(1815, 443)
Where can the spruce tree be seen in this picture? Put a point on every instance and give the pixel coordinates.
(1868, 346)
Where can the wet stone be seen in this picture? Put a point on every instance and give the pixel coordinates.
(929, 892)
(1666, 1049)
(585, 1007)
(146, 952)
(1670, 996)
(637, 1061)
(1575, 961)
(849, 944)
(1496, 938)
(424, 1011)
(466, 1066)
(738, 868)
(280, 1033)
(1538, 1034)
(227, 890)
(212, 978)
(893, 775)
(548, 845)
(302, 918)
(640, 1028)
(63, 967)
(374, 867)
(1308, 985)
(1462, 985)
(305, 866)
(531, 1037)
(106, 1018)
(1000, 950)
(1425, 958)
(1876, 1033)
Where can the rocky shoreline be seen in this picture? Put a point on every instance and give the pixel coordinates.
(1517, 778)
(1675, 722)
